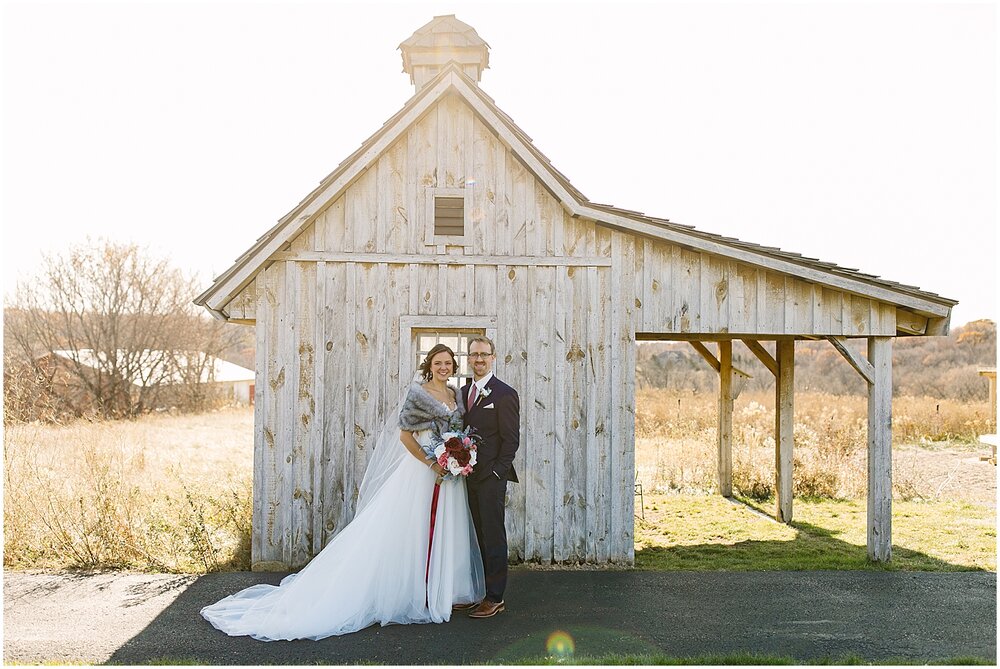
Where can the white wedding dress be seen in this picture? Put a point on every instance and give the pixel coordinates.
(374, 570)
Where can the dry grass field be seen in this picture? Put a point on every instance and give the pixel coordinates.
(935, 448)
(173, 492)
(165, 493)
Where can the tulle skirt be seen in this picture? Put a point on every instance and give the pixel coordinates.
(375, 571)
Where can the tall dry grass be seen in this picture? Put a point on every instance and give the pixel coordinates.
(163, 493)
(173, 493)
(676, 441)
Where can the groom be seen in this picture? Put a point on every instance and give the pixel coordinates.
(493, 411)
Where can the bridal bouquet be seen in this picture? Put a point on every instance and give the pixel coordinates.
(455, 451)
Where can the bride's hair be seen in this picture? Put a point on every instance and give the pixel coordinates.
(425, 366)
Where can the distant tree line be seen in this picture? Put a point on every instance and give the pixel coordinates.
(943, 367)
(107, 330)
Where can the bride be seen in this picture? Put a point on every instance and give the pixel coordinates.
(389, 564)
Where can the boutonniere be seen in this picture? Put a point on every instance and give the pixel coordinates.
(483, 394)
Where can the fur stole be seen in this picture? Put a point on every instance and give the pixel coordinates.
(421, 411)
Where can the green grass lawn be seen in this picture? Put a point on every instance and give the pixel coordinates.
(709, 533)
(744, 659)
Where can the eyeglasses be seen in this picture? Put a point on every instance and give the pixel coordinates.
(480, 356)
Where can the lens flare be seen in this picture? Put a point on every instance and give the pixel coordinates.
(559, 645)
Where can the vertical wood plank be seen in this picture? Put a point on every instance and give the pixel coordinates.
(262, 522)
(763, 324)
(880, 450)
(674, 300)
(442, 290)
(690, 292)
(737, 298)
(555, 232)
(645, 291)
(835, 307)
(338, 373)
(562, 526)
(803, 306)
(784, 436)
(706, 294)
(725, 436)
(623, 398)
(283, 386)
(427, 289)
(512, 348)
(721, 293)
(603, 397)
(775, 300)
(334, 229)
(539, 489)
(486, 280)
(575, 388)
(846, 314)
(596, 383)
(305, 240)
(860, 313)
(888, 321)
(457, 289)
(302, 300)
(483, 190)
(422, 171)
(352, 377)
(788, 302)
(502, 237)
(521, 202)
(470, 289)
(393, 214)
(370, 284)
(816, 318)
(361, 213)
(453, 117)
(536, 226)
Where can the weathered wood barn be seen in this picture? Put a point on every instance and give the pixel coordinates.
(447, 222)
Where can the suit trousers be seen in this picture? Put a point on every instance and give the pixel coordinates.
(486, 501)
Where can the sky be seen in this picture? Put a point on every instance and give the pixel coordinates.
(860, 134)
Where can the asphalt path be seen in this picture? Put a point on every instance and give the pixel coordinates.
(125, 618)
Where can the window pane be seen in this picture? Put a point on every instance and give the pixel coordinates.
(457, 340)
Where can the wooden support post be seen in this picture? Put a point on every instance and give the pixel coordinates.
(705, 353)
(762, 355)
(880, 450)
(784, 413)
(726, 418)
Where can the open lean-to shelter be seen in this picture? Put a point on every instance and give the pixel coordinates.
(448, 222)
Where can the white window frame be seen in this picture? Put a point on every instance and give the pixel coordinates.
(430, 194)
(410, 326)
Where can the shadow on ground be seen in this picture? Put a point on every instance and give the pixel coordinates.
(813, 547)
(804, 615)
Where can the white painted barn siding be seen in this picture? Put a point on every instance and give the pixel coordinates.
(562, 284)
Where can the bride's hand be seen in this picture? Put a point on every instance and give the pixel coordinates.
(438, 469)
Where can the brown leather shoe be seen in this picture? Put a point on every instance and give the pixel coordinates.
(487, 609)
(465, 607)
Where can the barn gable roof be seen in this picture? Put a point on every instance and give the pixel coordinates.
(452, 81)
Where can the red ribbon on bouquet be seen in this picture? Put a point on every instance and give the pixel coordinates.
(430, 540)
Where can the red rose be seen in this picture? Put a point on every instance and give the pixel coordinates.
(456, 449)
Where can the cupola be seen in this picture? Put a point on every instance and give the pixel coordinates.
(444, 40)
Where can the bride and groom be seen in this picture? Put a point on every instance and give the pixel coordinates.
(420, 546)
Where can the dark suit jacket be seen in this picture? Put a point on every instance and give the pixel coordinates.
(498, 428)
